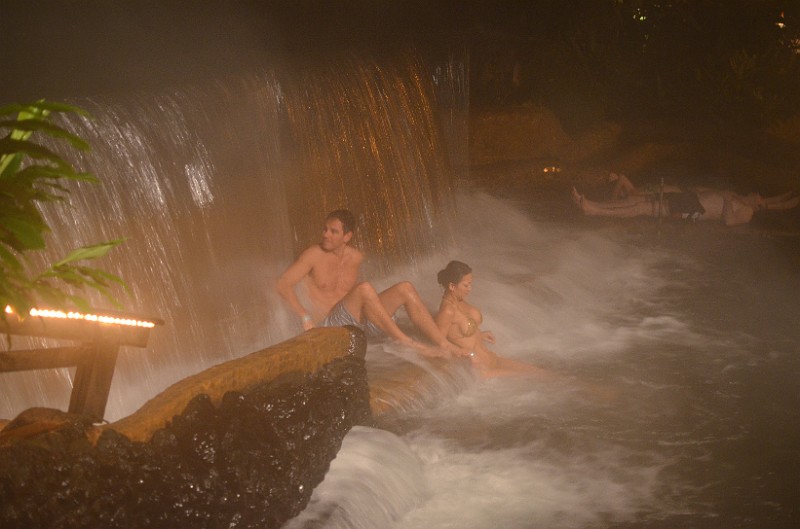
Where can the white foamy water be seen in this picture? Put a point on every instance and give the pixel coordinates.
(656, 417)
(373, 465)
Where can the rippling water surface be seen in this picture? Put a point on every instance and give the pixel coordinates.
(675, 350)
(676, 402)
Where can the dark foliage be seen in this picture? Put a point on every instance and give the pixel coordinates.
(735, 61)
(721, 59)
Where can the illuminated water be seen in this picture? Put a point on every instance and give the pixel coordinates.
(217, 186)
(678, 405)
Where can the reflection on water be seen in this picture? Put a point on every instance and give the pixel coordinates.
(700, 428)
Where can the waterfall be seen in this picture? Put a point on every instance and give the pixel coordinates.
(216, 186)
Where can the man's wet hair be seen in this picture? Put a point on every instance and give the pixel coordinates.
(347, 219)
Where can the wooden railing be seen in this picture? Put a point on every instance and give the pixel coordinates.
(100, 336)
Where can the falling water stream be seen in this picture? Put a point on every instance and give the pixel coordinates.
(217, 186)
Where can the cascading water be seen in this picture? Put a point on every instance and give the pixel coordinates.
(674, 402)
(216, 186)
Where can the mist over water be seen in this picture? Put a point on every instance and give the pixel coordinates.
(166, 162)
(675, 406)
(216, 186)
(676, 355)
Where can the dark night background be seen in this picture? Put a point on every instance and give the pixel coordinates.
(721, 73)
(722, 58)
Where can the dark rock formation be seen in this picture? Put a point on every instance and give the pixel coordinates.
(251, 461)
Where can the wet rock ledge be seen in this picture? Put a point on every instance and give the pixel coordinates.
(242, 444)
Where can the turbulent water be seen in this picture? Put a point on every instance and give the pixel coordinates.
(674, 351)
(675, 402)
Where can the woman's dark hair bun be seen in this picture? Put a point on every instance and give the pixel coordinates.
(452, 273)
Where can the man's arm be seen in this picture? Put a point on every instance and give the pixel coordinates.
(293, 275)
(623, 188)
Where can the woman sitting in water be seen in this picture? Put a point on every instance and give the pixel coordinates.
(460, 322)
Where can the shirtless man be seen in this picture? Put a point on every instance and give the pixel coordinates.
(699, 203)
(734, 209)
(330, 272)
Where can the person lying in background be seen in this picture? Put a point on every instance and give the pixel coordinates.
(622, 188)
(696, 203)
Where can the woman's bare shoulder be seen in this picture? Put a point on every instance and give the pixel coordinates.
(446, 311)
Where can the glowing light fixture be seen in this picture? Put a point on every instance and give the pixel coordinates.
(99, 318)
(45, 313)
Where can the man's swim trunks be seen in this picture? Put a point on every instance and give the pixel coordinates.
(685, 205)
(339, 316)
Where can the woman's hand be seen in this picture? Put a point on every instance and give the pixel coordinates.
(487, 336)
(453, 350)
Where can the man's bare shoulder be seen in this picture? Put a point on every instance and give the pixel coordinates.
(355, 255)
(312, 253)
(316, 252)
